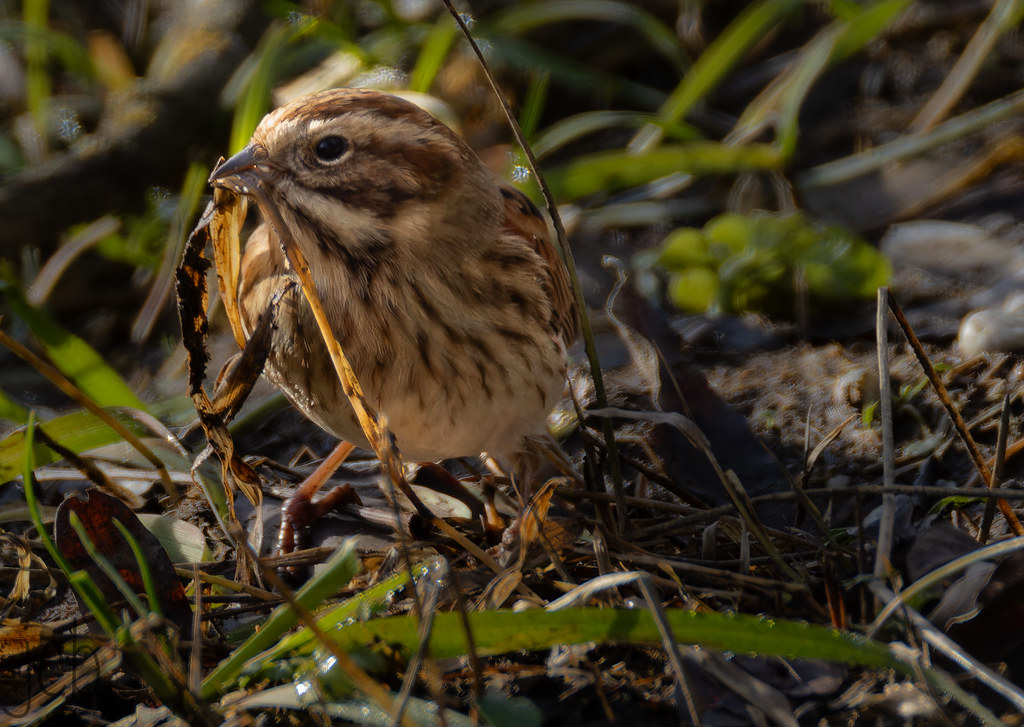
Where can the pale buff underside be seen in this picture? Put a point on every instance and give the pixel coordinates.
(464, 404)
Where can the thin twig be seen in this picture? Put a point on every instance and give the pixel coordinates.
(426, 626)
(600, 396)
(700, 519)
(476, 667)
(730, 482)
(672, 649)
(715, 575)
(954, 413)
(1000, 463)
(888, 520)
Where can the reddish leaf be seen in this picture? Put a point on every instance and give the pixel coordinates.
(98, 511)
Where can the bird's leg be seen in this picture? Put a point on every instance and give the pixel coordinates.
(299, 511)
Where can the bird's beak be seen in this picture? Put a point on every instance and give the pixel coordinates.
(242, 172)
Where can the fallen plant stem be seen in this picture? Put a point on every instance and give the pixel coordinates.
(982, 493)
(228, 583)
(739, 497)
(664, 529)
(954, 651)
(86, 467)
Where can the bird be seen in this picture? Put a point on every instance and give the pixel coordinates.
(440, 280)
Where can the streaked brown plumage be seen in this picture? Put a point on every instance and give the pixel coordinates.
(440, 282)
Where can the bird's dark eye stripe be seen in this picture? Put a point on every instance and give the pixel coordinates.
(330, 148)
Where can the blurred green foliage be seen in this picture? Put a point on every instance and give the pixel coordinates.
(760, 262)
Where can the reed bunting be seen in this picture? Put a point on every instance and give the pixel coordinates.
(440, 281)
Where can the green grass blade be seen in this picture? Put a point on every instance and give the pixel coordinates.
(149, 584)
(866, 26)
(37, 80)
(727, 50)
(28, 466)
(533, 103)
(339, 570)
(255, 99)
(499, 632)
(361, 606)
(79, 432)
(12, 410)
(814, 58)
(903, 147)
(835, 43)
(572, 128)
(71, 54)
(521, 54)
(95, 602)
(435, 49)
(608, 171)
(126, 591)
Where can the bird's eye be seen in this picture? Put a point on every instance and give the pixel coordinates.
(330, 148)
